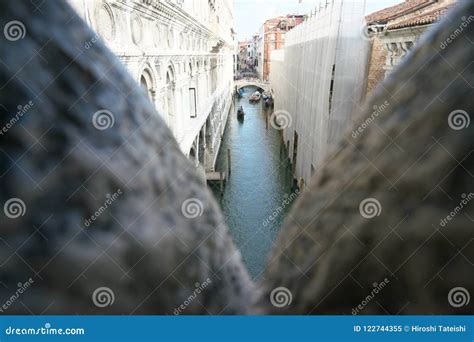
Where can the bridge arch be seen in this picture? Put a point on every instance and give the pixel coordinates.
(265, 86)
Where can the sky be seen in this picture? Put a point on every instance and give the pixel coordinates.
(250, 14)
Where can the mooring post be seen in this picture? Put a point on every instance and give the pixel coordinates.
(229, 162)
(221, 180)
(301, 183)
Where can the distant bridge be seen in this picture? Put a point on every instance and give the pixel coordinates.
(252, 82)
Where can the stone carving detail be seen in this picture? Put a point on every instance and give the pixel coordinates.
(187, 42)
(104, 21)
(396, 52)
(137, 29)
(181, 40)
(156, 35)
(170, 37)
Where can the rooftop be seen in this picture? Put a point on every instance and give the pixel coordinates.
(422, 19)
(403, 8)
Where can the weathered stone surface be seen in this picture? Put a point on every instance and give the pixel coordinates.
(54, 159)
(417, 167)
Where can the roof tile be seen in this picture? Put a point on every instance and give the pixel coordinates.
(394, 11)
(422, 19)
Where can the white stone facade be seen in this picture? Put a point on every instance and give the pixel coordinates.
(181, 52)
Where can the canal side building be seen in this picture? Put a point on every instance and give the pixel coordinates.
(182, 53)
(395, 30)
(272, 37)
(242, 56)
(318, 82)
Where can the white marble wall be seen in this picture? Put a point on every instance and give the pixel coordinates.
(169, 47)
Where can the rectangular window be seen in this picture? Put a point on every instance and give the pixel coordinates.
(193, 102)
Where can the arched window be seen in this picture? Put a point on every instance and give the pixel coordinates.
(147, 83)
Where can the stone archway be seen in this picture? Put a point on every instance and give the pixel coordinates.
(147, 83)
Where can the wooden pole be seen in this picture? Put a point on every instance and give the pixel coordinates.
(288, 149)
(221, 180)
(301, 183)
(229, 162)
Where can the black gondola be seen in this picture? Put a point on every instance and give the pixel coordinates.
(240, 113)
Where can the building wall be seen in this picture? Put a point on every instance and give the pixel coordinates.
(274, 40)
(260, 51)
(377, 62)
(391, 45)
(175, 49)
(322, 54)
(273, 33)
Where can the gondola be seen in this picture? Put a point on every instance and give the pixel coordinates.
(240, 113)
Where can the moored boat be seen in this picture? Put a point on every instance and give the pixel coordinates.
(255, 97)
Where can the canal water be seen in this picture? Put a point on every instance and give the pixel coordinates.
(258, 193)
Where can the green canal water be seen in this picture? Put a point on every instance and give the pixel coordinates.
(258, 193)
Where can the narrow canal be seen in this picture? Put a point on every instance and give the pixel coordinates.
(258, 194)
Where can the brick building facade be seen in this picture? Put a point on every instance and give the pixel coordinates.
(272, 37)
(395, 30)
